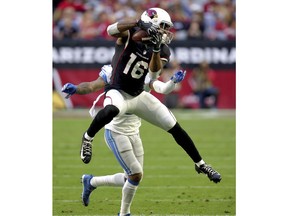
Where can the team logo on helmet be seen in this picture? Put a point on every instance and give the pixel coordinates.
(151, 13)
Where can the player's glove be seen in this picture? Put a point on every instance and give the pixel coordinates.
(69, 88)
(148, 27)
(178, 76)
(156, 40)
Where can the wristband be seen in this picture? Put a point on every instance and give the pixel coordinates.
(113, 29)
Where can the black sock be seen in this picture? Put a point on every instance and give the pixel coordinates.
(183, 139)
(102, 118)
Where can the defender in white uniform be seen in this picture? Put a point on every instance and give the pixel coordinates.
(122, 137)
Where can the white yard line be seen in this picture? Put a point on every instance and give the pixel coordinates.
(149, 187)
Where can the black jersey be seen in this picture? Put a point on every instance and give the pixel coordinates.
(130, 65)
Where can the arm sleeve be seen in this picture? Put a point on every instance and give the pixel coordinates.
(163, 88)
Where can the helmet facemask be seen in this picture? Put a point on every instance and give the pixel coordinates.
(167, 35)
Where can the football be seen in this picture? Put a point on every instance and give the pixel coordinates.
(141, 36)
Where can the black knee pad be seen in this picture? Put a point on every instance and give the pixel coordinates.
(107, 114)
(110, 110)
(102, 118)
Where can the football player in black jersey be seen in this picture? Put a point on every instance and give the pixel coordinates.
(125, 93)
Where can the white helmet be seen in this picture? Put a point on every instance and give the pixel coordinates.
(161, 19)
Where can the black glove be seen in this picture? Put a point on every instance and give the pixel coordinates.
(148, 27)
(156, 40)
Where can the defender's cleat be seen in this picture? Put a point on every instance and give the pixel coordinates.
(87, 189)
(212, 174)
(86, 150)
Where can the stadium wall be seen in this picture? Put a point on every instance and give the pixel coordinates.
(79, 61)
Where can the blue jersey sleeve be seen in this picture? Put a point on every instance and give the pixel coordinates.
(105, 73)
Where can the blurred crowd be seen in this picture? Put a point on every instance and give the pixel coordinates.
(193, 19)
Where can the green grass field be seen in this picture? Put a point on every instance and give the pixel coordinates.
(170, 185)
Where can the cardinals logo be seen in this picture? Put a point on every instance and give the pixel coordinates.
(151, 13)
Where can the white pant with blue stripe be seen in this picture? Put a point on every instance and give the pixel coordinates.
(128, 151)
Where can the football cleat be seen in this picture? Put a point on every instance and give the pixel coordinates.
(125, 215)
(87, 189)
(212, 174)
(86, 150)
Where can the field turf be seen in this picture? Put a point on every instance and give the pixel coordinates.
(170, 185)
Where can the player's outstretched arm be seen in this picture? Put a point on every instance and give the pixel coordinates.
(83, 88)
(89, 87)
(169, 86)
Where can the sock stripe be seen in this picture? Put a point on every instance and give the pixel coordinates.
(133, 182)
